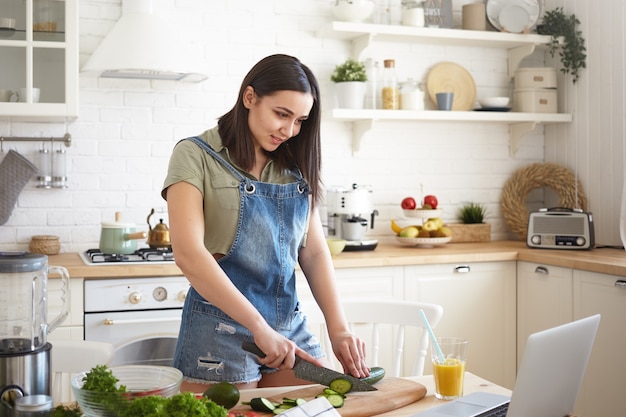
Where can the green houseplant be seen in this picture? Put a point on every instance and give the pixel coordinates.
(472, 213)
(472, 226)
(350, 70)
(350, 84)
(559, 26)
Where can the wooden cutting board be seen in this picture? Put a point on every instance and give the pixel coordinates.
(393, 393)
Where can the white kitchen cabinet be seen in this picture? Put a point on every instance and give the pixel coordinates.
(40, 53)
(544, 299)
(380, 283)
(73, 326)
(478, 302)
(362, 35)
(605, 379)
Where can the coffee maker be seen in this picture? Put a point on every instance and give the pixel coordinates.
(348, 212)
(24, 326)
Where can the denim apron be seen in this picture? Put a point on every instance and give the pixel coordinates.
(273, 220)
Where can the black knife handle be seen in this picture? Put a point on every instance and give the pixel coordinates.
(252, 348)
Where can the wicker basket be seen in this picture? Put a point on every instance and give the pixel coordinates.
(45, 244)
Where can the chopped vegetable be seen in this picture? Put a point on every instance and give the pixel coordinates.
(376, 374)
(340, 385)
(262, 404)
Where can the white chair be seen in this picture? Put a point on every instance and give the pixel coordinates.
(391, 320)
(70, 357)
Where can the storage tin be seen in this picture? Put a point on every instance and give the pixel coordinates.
(535, 100)
(541, 77)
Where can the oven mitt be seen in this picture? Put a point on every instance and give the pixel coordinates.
(15, 172)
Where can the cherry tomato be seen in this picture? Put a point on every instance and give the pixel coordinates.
(431, 200)
(408, 203)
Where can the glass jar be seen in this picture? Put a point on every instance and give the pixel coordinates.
(372, 94)
(43, 16)
(390, 91)
(413, 13)
(33, 406)
(411, 95)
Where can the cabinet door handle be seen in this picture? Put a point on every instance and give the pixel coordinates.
(542, 270)
(620, 283)
(462, 269)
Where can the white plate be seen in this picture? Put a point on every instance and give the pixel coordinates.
(512, 16)
(423, 214)
(424, 242)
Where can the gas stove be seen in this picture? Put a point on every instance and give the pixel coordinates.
(143, 255)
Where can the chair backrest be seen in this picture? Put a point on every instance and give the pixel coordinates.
(69, 357)
(375, 320)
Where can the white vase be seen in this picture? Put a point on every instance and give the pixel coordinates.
(350, 94)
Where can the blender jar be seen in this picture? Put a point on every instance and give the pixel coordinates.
(23, 301)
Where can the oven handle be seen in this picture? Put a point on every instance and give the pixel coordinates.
(111, 322)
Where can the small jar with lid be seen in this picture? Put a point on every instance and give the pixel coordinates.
(33, 406)
(390, 90)
(411, 95)
(413, 13)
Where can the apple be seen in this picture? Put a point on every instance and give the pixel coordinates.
(430, 225)
(408, 203)
(431, 200)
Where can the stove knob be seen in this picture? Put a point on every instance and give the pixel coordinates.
(182, 295)
(135, 297)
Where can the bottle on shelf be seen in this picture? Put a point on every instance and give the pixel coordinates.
(372, 93)
(390, 90)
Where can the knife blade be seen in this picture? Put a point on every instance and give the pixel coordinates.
(311, 372)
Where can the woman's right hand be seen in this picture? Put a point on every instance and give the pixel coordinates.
(280, 352)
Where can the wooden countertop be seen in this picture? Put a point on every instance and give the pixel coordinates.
(603, 260)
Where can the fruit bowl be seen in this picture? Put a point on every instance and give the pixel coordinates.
(140, 381)
(423, 214)
(424, 242)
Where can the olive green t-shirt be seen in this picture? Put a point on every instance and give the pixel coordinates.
(219, 187)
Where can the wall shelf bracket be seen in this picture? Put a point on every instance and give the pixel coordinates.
(360, 44)
(516, 131)
(359, 129)
(516, 55)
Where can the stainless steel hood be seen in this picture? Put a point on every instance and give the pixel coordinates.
(141, 45)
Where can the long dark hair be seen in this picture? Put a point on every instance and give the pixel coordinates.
(271, 74)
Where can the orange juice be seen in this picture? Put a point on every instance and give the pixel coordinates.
(449, 378)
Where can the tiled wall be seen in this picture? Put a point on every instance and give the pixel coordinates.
(127, 128)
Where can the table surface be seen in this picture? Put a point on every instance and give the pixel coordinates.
(472, 383)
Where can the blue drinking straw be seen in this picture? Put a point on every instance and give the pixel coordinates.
(442, 359)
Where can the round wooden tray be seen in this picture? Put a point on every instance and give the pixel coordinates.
(448, 76)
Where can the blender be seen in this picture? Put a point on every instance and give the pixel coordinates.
(348, 210)
(24, 349)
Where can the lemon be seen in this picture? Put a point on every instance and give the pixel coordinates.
(223, 393)
(395, 227)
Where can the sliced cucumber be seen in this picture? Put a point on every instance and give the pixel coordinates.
(336, 400)
(340, 385)
(262, 404)
(376, 374)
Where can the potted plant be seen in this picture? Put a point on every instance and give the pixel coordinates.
(472, 226)
(350, 78)
(565, 36)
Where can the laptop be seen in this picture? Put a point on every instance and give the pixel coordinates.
(548, 379)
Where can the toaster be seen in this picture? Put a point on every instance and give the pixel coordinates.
(560, 228)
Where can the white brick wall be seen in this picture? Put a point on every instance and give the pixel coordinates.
(126, 129)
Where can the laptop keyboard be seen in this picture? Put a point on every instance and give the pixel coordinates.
(499, 411)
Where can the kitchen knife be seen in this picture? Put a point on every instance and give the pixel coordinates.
(311, 372)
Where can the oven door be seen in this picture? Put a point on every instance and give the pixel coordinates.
(140, 337)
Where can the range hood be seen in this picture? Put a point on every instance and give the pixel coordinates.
(141, 46)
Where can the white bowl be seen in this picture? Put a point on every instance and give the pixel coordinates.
(353, 10)
(494, 102)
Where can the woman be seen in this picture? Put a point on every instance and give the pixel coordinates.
(242, 202)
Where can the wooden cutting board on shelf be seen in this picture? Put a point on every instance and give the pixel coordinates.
(393, 393)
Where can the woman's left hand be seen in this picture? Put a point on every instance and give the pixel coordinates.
(350, 351)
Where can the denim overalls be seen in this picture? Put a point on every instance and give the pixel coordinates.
(273, 220)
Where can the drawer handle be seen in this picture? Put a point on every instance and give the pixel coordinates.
(620, 283)
(462, 269)
(542, 270)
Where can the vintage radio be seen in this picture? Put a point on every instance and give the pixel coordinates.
(560, 228)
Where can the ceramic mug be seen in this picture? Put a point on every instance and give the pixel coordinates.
(5, 95)
(21, 95)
